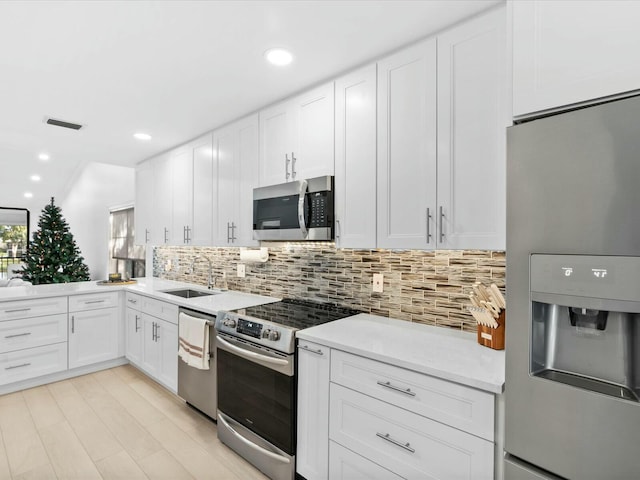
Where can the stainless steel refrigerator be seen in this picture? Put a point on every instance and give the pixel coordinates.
(573, 295)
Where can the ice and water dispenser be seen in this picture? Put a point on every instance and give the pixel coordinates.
(584, 322)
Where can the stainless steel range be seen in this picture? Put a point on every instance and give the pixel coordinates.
(256, 379)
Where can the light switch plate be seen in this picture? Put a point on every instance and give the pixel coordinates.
(241, 270)
(378, 282)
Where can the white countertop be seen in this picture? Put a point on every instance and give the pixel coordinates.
(150, 286)
(440, 352)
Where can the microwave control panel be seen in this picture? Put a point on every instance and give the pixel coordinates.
(319, 207)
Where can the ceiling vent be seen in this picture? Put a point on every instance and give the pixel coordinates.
(62, 123)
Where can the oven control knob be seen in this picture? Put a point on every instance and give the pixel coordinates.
(274, 335)
(229, 322)
(265, 333)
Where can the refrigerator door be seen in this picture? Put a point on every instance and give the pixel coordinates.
(573, 187)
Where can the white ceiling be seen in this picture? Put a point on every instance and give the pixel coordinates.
(173, 69)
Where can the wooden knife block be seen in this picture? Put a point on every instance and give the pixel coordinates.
(492, 337)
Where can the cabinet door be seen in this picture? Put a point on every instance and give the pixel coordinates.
(276, 144)
(472, 121)
(565, 52)
(312, 455)
(228, 169)
(181, 195)
(313, 151)
(407, 148)
(167, 340)
(355, 179)
(204, 191)
(162, 194)
(144, 211)
(133, 336)
(247, 180)
(150, 348)
(93, 336)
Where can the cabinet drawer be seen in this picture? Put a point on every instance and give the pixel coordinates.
(93, 301)
(346, 465)
(405, 443)
(32, 332)
(32, 362)
(462, 407)
(32, 308)
(133, 300)
(158, 308)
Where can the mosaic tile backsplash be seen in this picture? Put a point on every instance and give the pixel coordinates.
(419, 286)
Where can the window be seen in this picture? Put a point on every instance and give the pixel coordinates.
(125, 257)
(14, 237)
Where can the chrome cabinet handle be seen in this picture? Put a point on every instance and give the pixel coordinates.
(428, 226)
(406, 391)
(166, 233)
(441, 232)
(17, 310)
(337, 229)
(18, 335)
(131, 300)
(93, 301)
(387, 437)
(293, 166)
(17, 366)
(286, 165)
(73, 324)
(301, 196)
(188, 234)
(137, 327)
(306, 347)
(146, 235)
(153, 331)
(184, 234)
(157, 330)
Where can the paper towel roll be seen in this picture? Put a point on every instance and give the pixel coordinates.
(254, 255)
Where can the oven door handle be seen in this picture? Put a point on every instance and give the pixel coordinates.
(250, 444)
(250, 355)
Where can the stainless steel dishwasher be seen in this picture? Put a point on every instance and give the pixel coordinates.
(198, 387)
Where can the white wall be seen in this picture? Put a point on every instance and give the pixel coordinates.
(86, 208)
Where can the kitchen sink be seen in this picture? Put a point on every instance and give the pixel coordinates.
(188, 293)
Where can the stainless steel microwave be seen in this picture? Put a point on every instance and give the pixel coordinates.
(299, 210)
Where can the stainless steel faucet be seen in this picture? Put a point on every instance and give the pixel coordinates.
(210, 281)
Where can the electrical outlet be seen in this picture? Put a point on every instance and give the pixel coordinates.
(378, 282)
(241, 270)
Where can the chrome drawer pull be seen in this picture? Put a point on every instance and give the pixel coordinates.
(94, 301)
(17, 366)
(18, 335)
(306, 347)
(131, 300)
(387, 437)
(397, 389)
(18, 310)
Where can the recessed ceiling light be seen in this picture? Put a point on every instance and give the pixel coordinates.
(28, 195)
(35, 178)
(142, 136)
(44, 156)
(278, 56)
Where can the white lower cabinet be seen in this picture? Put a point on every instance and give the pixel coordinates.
(387, 422)
(346, 465)
(406, 443)
(160, 350)
(313, 406)
(133, 335)
(94, 328)
(32, 362)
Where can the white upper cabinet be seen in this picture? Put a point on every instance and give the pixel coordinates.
(297, 137)
(237, 152)
(567, 52)
(144, 207)
(472, 118)
(355, 192)
(204, 191)
(407, 147)
(182, 195)
(163, 200)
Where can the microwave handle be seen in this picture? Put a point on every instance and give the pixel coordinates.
(302, 194)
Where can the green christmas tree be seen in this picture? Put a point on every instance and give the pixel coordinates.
(53, 256)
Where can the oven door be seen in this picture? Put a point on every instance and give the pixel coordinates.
(256, 388)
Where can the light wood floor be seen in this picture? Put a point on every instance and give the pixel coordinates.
(114, 424)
